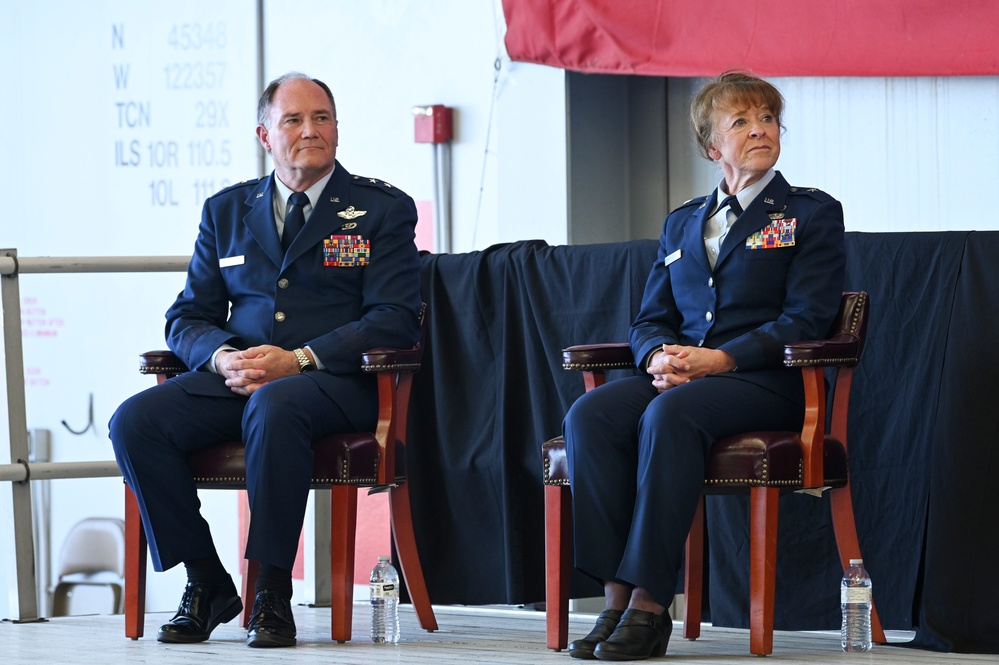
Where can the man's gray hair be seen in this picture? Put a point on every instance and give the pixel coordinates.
(267, 98)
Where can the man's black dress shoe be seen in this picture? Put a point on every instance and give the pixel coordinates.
(202, 607)
(638, 635)
(605, 625)
(272, 623)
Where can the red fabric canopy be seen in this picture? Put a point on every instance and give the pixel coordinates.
(768, 37)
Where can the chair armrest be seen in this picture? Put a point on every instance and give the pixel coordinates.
(392, 360)
(842, 350)
(373, 360)
(598, 357)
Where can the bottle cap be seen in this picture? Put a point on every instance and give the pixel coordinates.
(856, 562)
(384, 559)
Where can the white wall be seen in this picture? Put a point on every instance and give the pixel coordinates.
(902, 154)
(383, 57)
(80, 80)
(59, 159)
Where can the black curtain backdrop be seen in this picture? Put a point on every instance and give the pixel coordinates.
(924, 429)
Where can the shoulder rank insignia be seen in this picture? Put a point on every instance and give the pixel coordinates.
(379, 184)
(697, 200)
(350, 213)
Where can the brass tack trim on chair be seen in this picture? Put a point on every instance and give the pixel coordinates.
(218, 479)
(341, 481)
(399, 367)
(548, 479)
(807, 362)
(855, 319)
(761, 482)
(753, 482)
(345, 478)
(587, 366)
(161, 369)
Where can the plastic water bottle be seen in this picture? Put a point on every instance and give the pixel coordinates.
(384, 602)
(855, 600)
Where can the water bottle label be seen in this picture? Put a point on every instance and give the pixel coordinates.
(390, 591)
(855, 595)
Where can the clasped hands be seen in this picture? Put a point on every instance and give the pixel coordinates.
(674, 365)
(247, 370)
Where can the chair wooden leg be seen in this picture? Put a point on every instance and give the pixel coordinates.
(343, 532)
(250, 570)
(693, 577)
(409, 556)
(558, 552)
(762, 568)
(845, 528)
(135, 567)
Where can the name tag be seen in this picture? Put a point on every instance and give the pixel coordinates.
(232, 261)
(675, 256)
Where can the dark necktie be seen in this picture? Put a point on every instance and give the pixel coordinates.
(294, 219)
(733, 203)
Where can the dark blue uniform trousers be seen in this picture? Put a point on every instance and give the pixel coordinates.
(637, 461)
(154, 431)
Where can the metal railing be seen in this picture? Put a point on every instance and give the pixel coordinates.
(21, 470)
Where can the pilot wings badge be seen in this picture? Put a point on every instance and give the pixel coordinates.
(350, 213)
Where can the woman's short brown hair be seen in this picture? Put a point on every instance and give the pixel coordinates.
(731, 89)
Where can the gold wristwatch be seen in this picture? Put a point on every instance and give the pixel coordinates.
(304, 364)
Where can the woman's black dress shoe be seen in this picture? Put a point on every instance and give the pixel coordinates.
(638, 635)
(606, 623)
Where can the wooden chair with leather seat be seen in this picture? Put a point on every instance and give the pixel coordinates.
(763, 465)
(342, 464)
